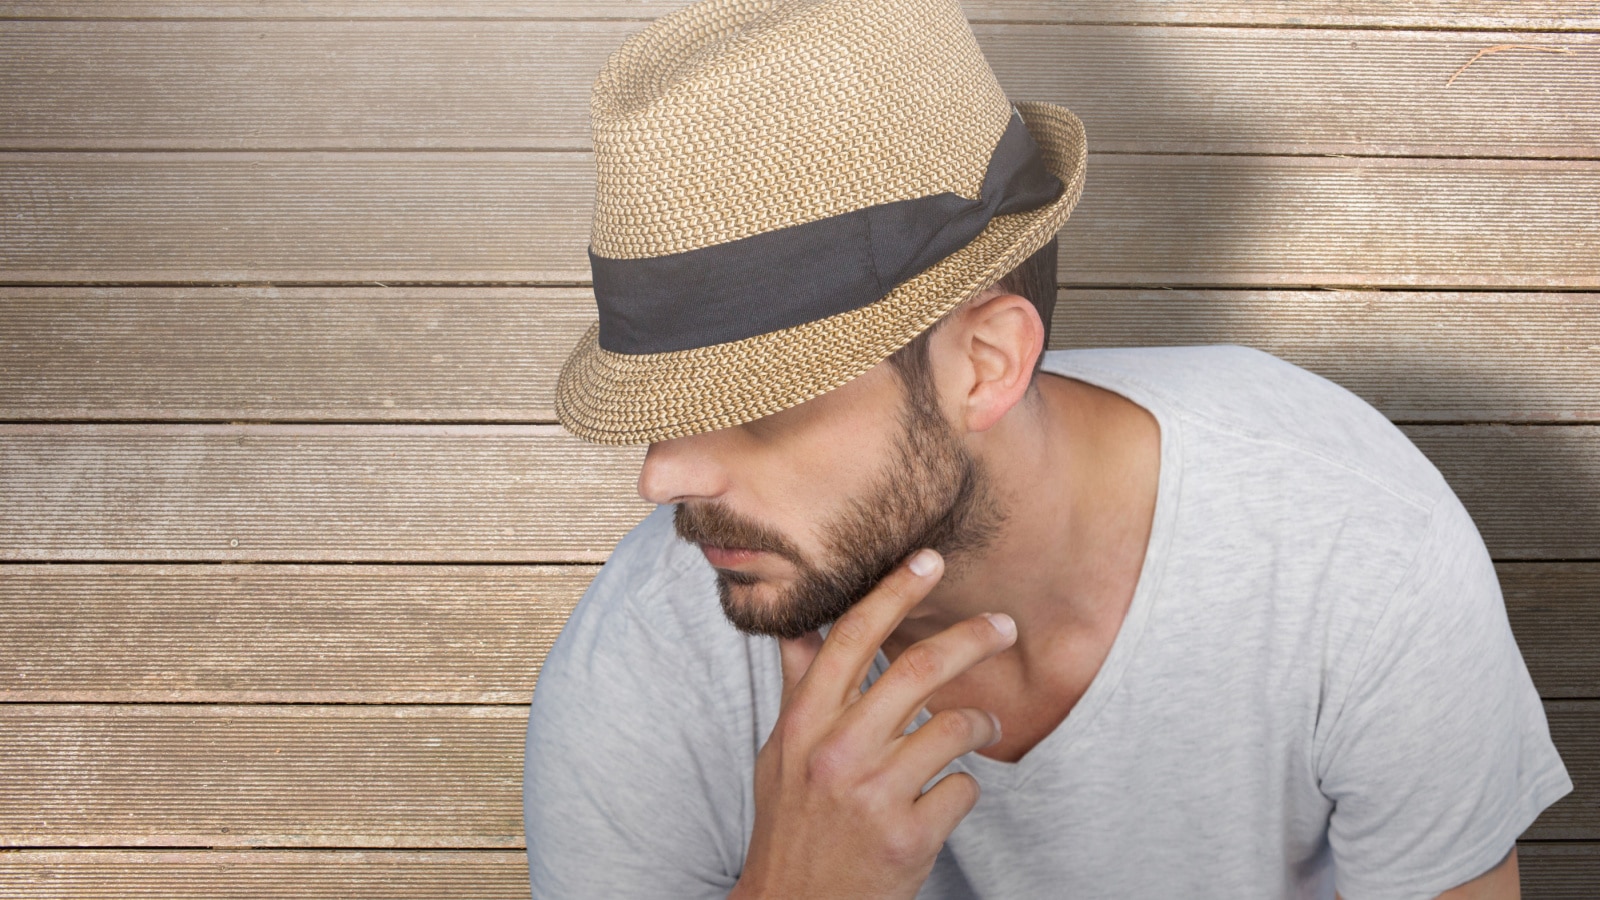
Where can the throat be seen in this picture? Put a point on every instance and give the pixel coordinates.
(1031, 701)
(1027, 715)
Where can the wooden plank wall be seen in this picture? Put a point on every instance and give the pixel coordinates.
(285, 521)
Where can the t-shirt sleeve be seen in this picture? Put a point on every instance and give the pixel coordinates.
(1439, 755)
(632, 784)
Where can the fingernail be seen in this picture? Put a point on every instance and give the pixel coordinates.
(1003, 624)
(924, 563)
(996, 720)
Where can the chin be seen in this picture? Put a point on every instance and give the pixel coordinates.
(755, 606)
(746, 592)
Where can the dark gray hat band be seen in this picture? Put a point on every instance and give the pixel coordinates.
(779, 279)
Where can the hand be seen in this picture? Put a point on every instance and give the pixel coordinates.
(840, 810)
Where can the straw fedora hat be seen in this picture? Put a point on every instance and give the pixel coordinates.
(787, 192)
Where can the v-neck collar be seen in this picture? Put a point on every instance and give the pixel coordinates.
(1012, 776)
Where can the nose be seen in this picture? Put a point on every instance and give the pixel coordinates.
(681, 469)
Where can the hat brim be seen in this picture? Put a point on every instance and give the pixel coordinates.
(618, 398)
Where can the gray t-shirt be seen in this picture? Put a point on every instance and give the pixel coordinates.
(1315, 684)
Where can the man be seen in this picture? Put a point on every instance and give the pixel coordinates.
(1135, 623)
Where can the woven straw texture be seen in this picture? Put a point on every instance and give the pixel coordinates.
(615, 398)
(733, 118)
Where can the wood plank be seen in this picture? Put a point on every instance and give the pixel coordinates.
(301, 354)
(501, 493)
(264, 874)
(279, 633)
(1555, 613)
(425, 777)
(1558, 871)
(1225, 90)
(1575, 728)
(1550, 871)
(1543, 15)
(429, 354)
(364, 776)
(1519, 481)
(1158, 220)
(1418, 357)
(469, 84)
(1210, 221)
(442, 634)
(472, 85)
(312, 493)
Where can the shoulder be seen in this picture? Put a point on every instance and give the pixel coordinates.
(655, 603)
(1431, 740)
(646, 712)
(1259, 402)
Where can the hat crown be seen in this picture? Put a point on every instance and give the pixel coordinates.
(731, 118)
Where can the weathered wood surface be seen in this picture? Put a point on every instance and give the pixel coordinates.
(263, 874)
(1144, 220)
(1575, 728)
(503, 493)
(442, 634)
(1418, 357)
(1559, 871)
(295, 354)
(1550, 871)
(312, 493)
(1555, 613)
(1533, 491)
(426, 777)
(280, 633)
(442, 777)
(485, 354)
(498, 85)
(1541, 15)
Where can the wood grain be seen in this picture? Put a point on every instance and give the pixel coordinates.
(1550, 871)
(298, 354)
(1558, 871)
(351, 141)
(394, 777)
(1533, 491)
(1197, 221)
(264, 874)
(1418, 357)
(1173, 221)
(1555, 613)
(1575, 729)
(442, 634)
(1542, 15)
(311, 493)
(430, 354)
(427, 777)
(502, 493)
(280, 633)
(465, 84)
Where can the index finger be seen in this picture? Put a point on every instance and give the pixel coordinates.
(842, 662)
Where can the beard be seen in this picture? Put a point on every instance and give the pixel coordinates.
(931, 492)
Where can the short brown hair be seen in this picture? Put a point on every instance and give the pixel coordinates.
(1034, 279)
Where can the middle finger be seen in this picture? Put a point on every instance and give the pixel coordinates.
(924, 667)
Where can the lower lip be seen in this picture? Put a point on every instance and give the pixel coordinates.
(728, 557)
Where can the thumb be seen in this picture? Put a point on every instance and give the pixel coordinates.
(797, 654)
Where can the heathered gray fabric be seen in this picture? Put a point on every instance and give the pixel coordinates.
(1315, 684)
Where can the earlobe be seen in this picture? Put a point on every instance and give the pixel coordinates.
(1004, 338)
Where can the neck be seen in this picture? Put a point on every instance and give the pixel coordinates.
(1076, 468)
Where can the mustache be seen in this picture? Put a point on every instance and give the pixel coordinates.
(711, 522)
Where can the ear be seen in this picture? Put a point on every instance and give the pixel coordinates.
(996, 341)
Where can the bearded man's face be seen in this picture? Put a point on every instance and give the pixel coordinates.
(928, 492)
